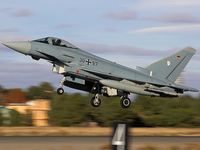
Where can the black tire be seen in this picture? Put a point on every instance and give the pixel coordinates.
(95, 103)
(60, 91)
(125, 102)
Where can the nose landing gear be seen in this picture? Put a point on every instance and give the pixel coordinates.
(60, 90)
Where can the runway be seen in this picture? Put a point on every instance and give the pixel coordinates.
(86, 142)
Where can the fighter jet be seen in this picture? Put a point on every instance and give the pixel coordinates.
(84, 71)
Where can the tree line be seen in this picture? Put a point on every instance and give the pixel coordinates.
(75, 109)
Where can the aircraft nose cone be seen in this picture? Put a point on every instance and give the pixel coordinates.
(22, 47)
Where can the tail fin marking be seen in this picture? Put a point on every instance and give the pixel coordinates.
(170, 67)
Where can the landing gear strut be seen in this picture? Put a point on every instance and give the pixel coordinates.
(96, 101)
(60, 90)
(125, 102)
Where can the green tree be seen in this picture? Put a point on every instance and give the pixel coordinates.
(14, 118)
(111, 111)
(168, 112)
(43, 91)
(17, 119)
(74, 109)
(26, 119)
(68, 110)
(1, 119)
(34, 92)
(46, 90)
(1, 88)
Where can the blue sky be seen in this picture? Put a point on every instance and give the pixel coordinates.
(131, 33)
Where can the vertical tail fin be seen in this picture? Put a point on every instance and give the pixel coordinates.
(170, 67)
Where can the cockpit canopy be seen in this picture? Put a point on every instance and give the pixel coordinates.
(56, 42)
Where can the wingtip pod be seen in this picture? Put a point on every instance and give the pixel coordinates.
(190, 49)
(194, 90)
(191, 89)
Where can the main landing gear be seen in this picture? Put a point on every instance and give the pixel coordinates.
(60, 90)
(125, 102)
(96, 101)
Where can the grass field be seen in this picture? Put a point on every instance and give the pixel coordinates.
(95, 131)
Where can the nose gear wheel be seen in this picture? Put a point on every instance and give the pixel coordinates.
(60, 90)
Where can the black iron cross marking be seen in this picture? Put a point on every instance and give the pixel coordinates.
(88, 62)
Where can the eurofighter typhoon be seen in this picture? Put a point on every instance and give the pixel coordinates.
(84, 71)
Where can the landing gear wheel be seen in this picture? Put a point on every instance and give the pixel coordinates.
(95, 102)
(125, 102)
(60, 91)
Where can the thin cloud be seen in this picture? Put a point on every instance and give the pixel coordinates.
(124, 15)
(22, 13)
(12, 38)
(96, 48)
(25, 74)
(63, 26)
(195, 27)
(9, 30)
(110, 29)
(176, 18)
(5, 9)
(158, 4)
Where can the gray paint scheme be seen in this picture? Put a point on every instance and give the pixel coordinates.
(177, 61)
(85, 71)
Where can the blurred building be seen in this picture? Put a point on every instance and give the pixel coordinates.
(38, 108)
